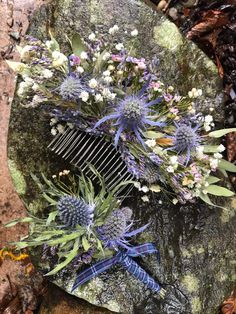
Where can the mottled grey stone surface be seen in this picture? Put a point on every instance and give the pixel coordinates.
(196, 242)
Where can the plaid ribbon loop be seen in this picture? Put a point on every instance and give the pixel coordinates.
(125, 259)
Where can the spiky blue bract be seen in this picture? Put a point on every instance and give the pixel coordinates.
(116, 229)
(74, 211)
(132, 114)
(185, 139)
(71, 88)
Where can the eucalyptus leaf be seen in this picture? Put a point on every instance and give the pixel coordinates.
(153, 134)
(212, 179)
(219, 190)
(51, 217)
(220, 133)
(226, 165)
(77, 45)
(207, 200)
(210, 148)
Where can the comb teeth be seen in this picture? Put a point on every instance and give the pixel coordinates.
(81, 149)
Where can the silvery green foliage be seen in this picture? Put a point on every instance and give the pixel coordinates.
(74, 211)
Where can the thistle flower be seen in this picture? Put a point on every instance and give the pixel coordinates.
(116, 229)
(185, 139)
(132, 114)
(74, 211)
(71, 88)
(150, 172)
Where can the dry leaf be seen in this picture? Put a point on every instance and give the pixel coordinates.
(229, 305)
(164, 141)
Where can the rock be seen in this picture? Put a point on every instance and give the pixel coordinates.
(197, 262)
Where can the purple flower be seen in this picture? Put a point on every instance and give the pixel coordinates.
(74, 60)
(185, 139)
(115, 232)
(132, 114)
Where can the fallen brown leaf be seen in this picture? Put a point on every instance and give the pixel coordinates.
(229, 305)
(211, 20)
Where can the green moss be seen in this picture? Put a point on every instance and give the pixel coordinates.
(196, 305)
(17, 178)
(191, 283)
(168, 36)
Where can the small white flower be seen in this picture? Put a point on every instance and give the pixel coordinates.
(49, 44)
(92, 37)
(144, 189)
(160, 202)
(54, 176)
(98, 98)
(84, 55)
(214, 163)
(199, 151)
(70, 125)
(84, 96)
(134, 33)
(208, 118)
(113, 30)
(220, 148)
(35, 87)
(151, 143)
(145, 198)
(218, 156)
(111, 68)
(93, 83)
(106, 73)
(112, 96)
(108, 79)
(190, 94)
(137, 185)
(47, 73)
(199, 92)
(119, 46)
(80, 70)
(174, 160)
(60, 128)
(174, 201)
(53, 131)
(59, 59)
(207, 127)
(170, 169)
(53, 121)
(120, 72)
(106, 56)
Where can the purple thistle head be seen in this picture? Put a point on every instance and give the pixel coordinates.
(71, 88)
(185, 139)
(150, 172)
(132, 114)
(116, 229)
(74, 211)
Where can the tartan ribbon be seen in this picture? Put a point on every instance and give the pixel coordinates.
(125, 259)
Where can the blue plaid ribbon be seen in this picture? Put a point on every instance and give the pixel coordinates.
(125, 259)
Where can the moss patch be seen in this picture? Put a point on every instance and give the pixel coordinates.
(168, 36)
(17, 178)
(191, 283)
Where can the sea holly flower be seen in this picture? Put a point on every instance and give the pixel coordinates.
(115, 232)
(74, 211)
(185, 139)
(72, 87)
(132, 114)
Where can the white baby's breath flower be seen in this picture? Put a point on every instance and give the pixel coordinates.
(80, 70)
(150, 143)
(54, 176)
(174, 201)
(106, 73)
(111, 67)
(93, 83)
(145, 198)
(199, 151)
(170, 169)
(220, 148)
(84, 55)
(106, 56)
(53, 121)
(144, 189)
(60, 128)
(208, 119)
(92, 37)
(107, 79)
(113, 30)
(134, 33)
(54, 131)
(35, 87)
(47, 73)
(174, 160)
(59, 59)
(120, 72)
(49, 44)
(84, 96)
(119, 46)
(98, 98)
(112, 96)
(214, 163)
(137, 185)
(218, 156)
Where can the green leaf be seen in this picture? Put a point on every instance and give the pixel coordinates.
(51, 217)
(207, 200)
(77, 45)
(210, 149)
(212, 179)
(68, 259)
(85, 243)
(21, 245)
(66, 238)
(220, 133)
(49, 199)
(99, 63)
(226, 165)
(55, 45)
(219, 191)
(16, 221)
(153, 134)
